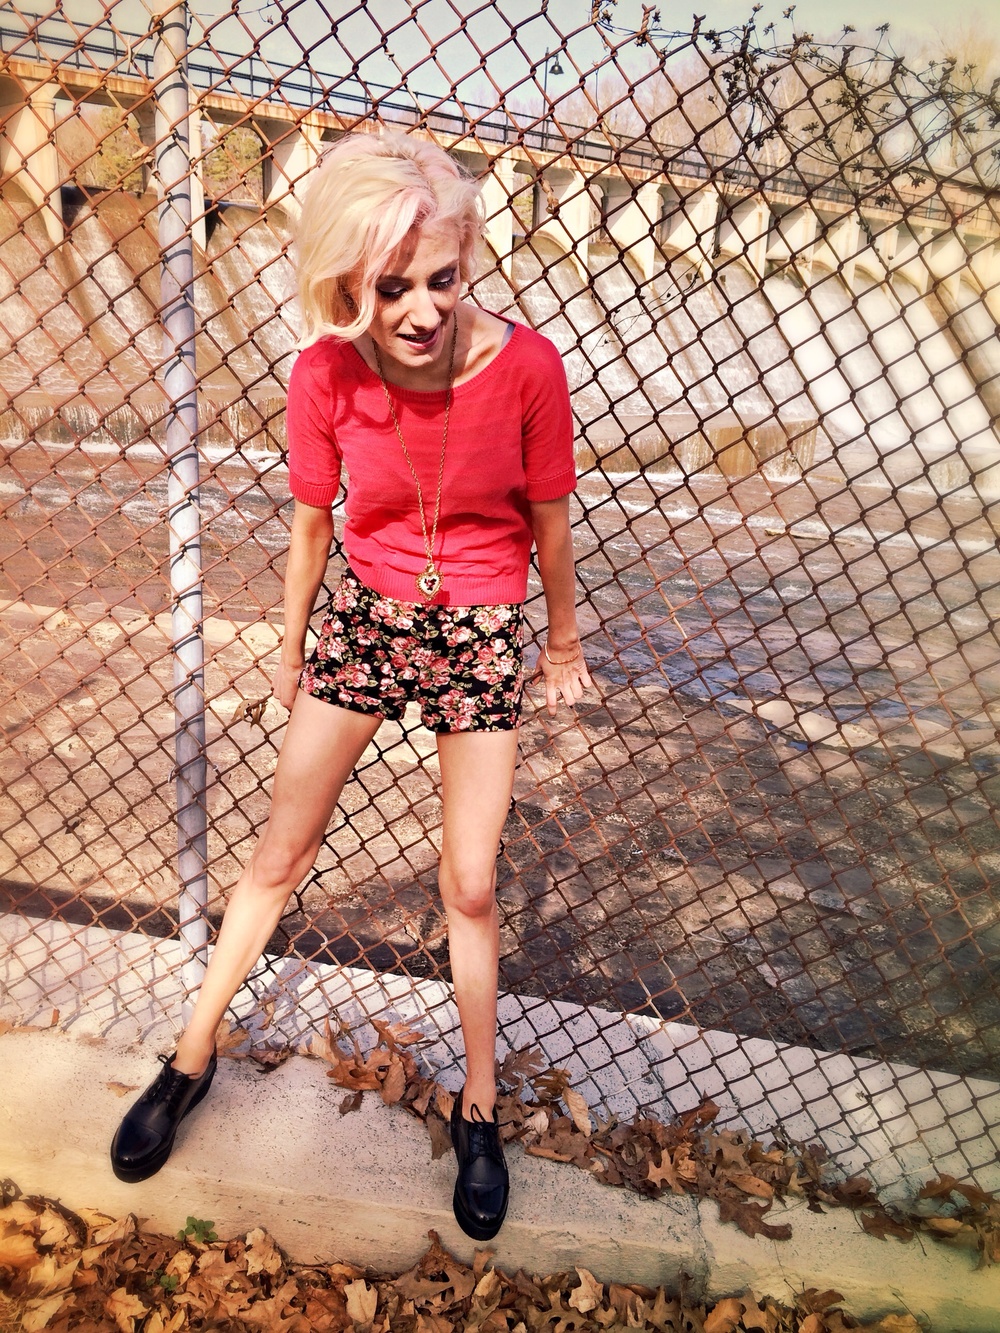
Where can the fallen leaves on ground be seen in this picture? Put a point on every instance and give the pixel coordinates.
(64, 1271)
(538, 1108)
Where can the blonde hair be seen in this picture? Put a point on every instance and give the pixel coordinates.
(367, 193)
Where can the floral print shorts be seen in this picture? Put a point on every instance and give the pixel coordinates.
(462, 664)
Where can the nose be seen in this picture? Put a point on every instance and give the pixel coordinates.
(421, 309)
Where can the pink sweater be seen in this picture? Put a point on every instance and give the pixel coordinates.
(510, 441)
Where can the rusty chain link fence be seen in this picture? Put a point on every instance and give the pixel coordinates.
(758, 863)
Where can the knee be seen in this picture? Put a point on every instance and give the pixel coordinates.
(278, 867)
(468, 892)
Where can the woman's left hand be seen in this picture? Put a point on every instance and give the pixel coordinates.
(566, 680)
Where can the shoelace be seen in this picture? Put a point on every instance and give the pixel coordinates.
(484, 1136)
(178, 1084)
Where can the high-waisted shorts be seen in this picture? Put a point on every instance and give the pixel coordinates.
(463, 664)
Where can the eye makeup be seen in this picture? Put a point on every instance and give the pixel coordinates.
(439, 282)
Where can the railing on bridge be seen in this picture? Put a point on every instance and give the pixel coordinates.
(255, 81)
(759, 863)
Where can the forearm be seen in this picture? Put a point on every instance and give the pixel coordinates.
(561, 662)
(308, 555)
(554, 553)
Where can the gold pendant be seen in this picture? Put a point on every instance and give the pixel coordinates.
(429, 581)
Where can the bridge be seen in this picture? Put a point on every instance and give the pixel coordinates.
(587, 185)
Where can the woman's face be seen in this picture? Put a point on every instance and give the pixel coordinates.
(417, 295)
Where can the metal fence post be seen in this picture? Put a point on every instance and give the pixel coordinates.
(173, 170)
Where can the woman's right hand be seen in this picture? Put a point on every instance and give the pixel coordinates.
(285, 684)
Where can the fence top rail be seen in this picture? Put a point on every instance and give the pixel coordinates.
(260, 80)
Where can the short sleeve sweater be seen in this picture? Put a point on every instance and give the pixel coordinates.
(510, 442)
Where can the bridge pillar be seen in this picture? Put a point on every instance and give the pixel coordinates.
(793, 240)
(498, 191)
(690, 226)
(946, 259)
(884, 244)
(743, 234)
(28, 153)
(908, 259)
(572, 223)
(632, 227)
(985, 265)
(840, 244)
(292, 152)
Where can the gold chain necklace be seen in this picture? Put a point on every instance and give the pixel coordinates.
(429, 581)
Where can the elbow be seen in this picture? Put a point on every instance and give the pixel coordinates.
(312, 523)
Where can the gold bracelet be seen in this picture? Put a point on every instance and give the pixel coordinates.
(560, 661)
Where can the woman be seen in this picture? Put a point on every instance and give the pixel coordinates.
(454, 427)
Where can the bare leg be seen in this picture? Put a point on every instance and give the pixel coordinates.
(477, 776)
(320, 749)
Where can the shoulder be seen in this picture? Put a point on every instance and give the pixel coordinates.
(536, 366)
(535, 352)
(317, 363)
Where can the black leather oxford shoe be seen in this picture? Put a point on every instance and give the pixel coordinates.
(482, 1187)
(146, 1134)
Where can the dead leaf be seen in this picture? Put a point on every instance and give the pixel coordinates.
(440, 1134)
(589, 1294)
(897, 1323)
(550, 1085)
(855, 1192)
(751, 1184)
(428, 1322)
(395, 1035)
(813, 1323)
(121, 1228)
(251, 711)
(814, 1301)
(352, 1102)
(53, 1230)
(124, 1309)
(362, 1302)
(880, 1224)
(122, 1089)
(729, 1148)
(749, 1217)
(663, 1173)
(230, 1040)
(39, 1314)
(49, 1275)
(394, 1083)
(521, 1066)
(262, 1253)
(157, 1324)
(182, 1262)
(724, 1316)
(17, 1250)
(756, 1320)
(269, 1056)
(578, 1109)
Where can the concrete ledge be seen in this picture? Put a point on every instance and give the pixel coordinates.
(272, 1150)
(897, 1124)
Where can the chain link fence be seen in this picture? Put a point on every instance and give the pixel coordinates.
(760, 860)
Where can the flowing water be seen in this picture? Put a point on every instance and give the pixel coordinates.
(871, 381)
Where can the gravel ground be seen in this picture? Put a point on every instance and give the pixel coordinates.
(775, 814)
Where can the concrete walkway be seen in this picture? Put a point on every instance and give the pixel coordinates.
(272, 1150)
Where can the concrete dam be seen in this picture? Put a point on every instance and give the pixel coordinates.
(703, 324)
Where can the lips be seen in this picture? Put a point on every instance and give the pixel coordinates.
(421, 341)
